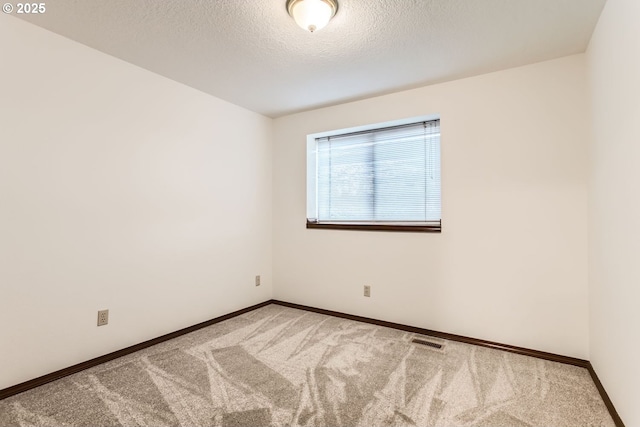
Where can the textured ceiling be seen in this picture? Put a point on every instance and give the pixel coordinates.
(252, 53)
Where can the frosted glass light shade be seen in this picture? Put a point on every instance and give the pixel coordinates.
(312, 15)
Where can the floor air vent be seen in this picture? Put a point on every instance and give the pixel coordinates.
(427, 343)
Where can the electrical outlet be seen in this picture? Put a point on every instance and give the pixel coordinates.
(103, 317)
(367, 290)
(257, 280)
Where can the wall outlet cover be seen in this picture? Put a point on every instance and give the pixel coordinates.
(103, 317)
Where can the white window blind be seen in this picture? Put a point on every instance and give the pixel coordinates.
(388, 175)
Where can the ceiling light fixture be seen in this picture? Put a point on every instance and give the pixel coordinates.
(312, 15)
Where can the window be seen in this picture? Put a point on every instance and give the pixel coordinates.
(383, 178)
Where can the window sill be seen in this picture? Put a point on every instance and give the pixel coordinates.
(378, 227)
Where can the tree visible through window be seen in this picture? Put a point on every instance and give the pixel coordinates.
(384, 178)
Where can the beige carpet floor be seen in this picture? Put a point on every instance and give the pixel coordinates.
(278, 366)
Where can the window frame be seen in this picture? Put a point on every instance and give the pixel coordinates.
(434, 227)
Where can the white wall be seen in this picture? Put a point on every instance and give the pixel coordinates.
(511, 262)
(124, 190)
(614, 204)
